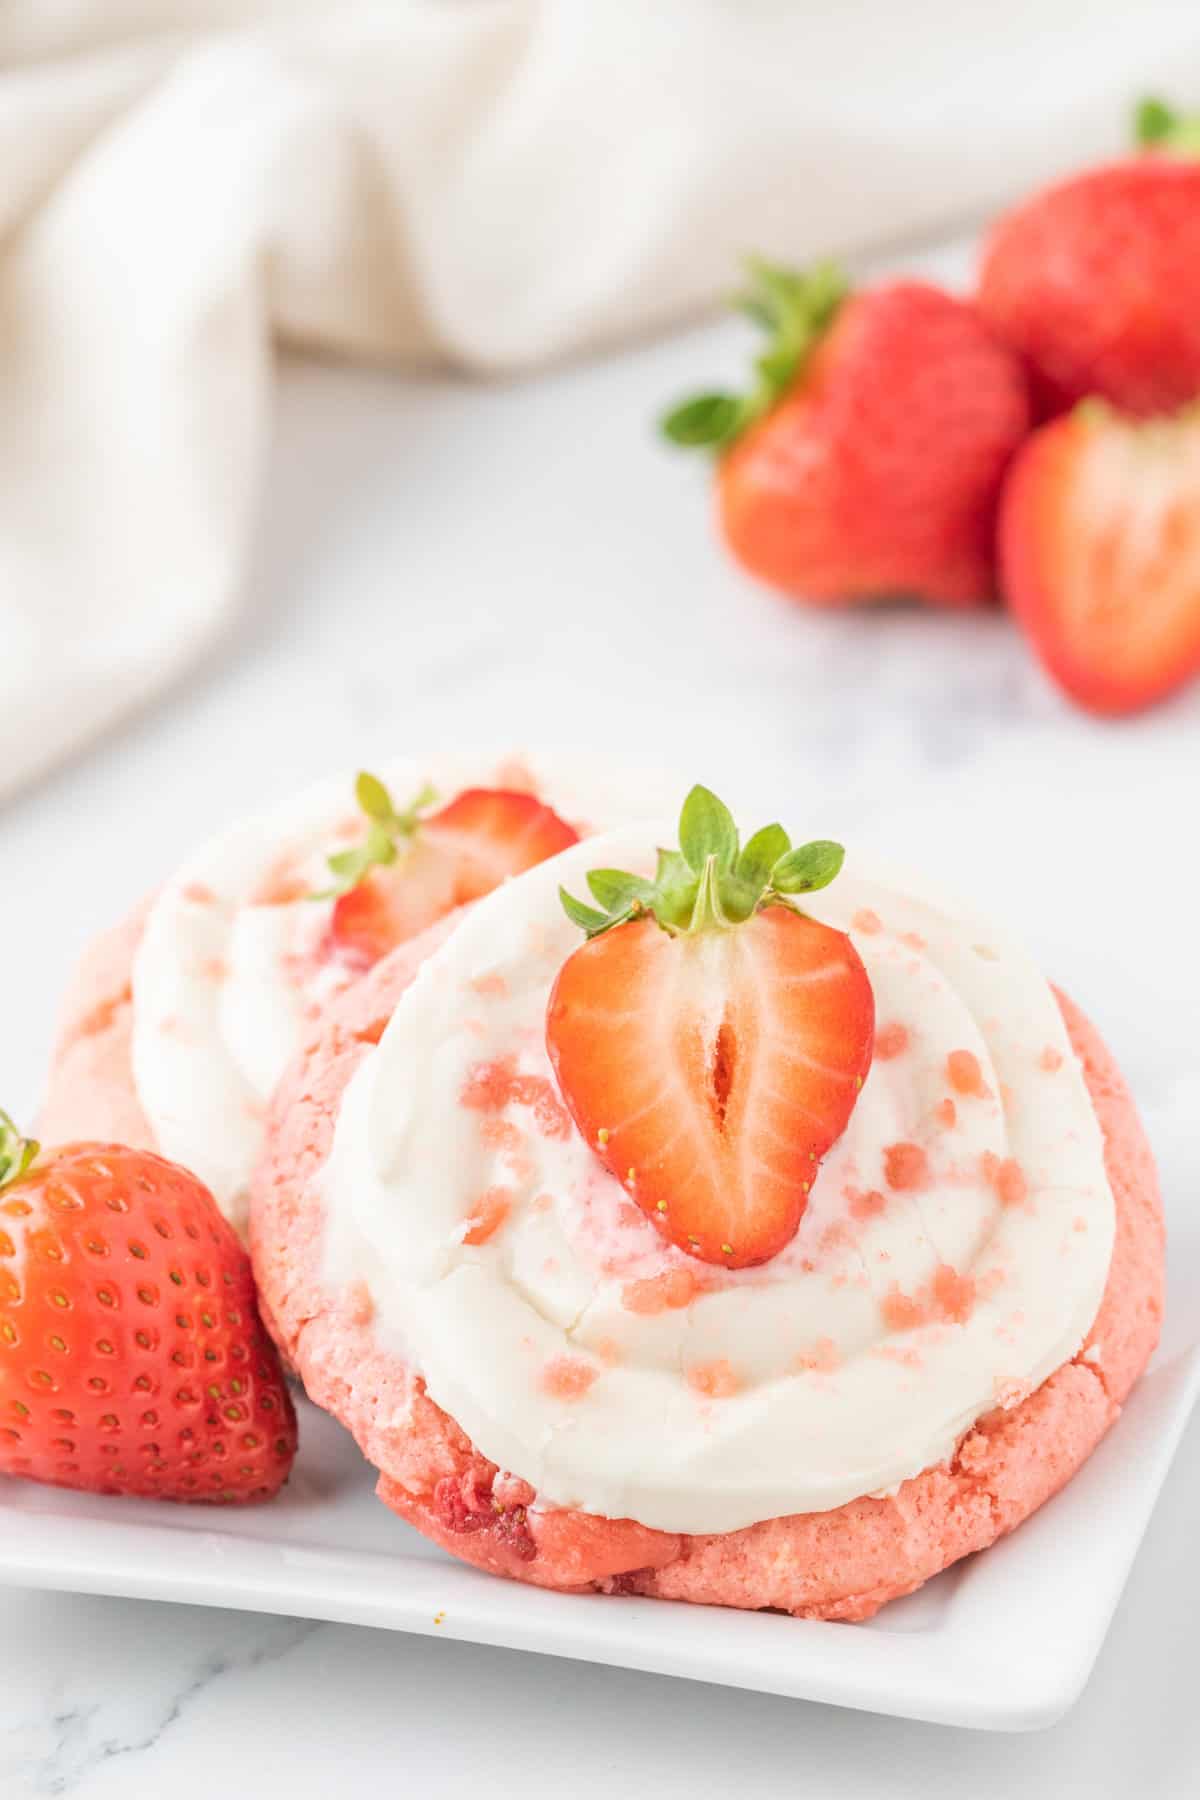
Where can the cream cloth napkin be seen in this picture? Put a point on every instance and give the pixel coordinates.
(494, 183)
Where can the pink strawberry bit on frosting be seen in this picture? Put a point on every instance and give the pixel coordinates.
(946, 1114)
(199, 893)
(903, 1312)
(491, 1086)
(669, 1292)
(906, 1168)
(891, 1041)
(282, 885)
(965, 1075)
(491, 986)
(868, 922)
(866, 1204)
(1051, 1060)
(1006, 1177)
(567, 1378)
(948, 1299)
(715, 1380)
(953, 1294)
(821, 1358)
(489, 1214)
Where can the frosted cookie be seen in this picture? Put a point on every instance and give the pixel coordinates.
(720, 1257)
(180, 1021)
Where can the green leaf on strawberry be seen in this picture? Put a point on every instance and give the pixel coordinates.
(709, 883)
(387, 829)
(795, 308)
(17, 1153)
(1157, 126)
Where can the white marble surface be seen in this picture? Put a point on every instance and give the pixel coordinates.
(438, 561)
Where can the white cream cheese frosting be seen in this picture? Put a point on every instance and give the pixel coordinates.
(953, 1254)
(235, 958)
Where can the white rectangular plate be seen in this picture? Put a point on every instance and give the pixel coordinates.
(1005, 1641)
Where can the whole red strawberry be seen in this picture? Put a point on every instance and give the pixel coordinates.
(710, 1038)
(867, 462)
(1100, 553)
(1096, 280)
(132, 1360)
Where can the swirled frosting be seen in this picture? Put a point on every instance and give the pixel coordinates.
(953, 1254)
(236, 958)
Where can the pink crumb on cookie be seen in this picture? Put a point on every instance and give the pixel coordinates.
(360, 1303)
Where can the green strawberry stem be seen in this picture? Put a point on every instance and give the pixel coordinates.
(795, 310)
(387, 829)
(1157, 126)
(16, 1152)
(712, 882)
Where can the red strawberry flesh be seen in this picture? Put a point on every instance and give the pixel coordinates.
(458, 854)
(712, 1073)
(1100, 550)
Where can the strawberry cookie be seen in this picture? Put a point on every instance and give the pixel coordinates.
(758, 1232)
(180, 1021)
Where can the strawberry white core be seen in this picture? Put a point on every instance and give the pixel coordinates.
(953, 1253)
(236, 959)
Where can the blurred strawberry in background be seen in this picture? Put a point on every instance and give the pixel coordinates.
(1096, 280)
(867, 459)
(1100, 553)
(889, 429)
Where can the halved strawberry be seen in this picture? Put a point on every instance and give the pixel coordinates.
(488, 834)
(1100, 553)
(711, 1040)
(394, 890)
